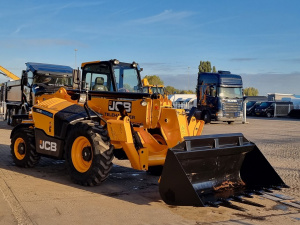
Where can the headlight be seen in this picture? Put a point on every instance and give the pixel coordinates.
(143, 103)
(134, 64)
(82, 98)
(115, 61)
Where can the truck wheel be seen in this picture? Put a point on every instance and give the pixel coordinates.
(269, 115)
(23, 148)
(206, 117)
(89, 154)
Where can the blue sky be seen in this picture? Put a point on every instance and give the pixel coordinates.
(258, 39)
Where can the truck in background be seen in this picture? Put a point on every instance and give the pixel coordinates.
(38, 79)
(219, 97)
(11, 76)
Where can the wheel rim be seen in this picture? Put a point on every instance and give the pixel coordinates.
(20, 148)
(82, 154)
(159, 139)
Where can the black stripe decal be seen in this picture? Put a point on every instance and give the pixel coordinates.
(44, 112)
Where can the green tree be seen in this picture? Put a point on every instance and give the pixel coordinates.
(205, 67)
(171, 90)
(251, 91)
(154, 80)
(214, 69)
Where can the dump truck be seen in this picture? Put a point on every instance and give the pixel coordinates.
(38, 79)
(91, 126)
(12, 77)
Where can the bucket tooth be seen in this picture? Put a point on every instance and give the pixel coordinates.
(212, 204)
(278, 188)
(204, 169)
(247, 195)
(269, 190)
(258, 192)
(244, 201)
(228, 204)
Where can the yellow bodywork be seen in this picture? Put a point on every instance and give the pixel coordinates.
(174, 128)
(145, 114)
(61, 93)
(9, 74)
(51, 107)
(149, 86)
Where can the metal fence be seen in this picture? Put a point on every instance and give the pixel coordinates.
(282, 110)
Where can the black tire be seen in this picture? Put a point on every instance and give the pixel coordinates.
(23, 148)
(206, 117)
(229, 122)
(269, 115)
(88, 154)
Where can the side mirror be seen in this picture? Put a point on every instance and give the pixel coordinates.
(24, 78)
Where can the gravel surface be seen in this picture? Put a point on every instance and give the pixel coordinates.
(46, 195)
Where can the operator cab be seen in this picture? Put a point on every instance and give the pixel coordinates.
(112, 76)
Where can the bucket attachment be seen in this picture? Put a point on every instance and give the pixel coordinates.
(211, 170)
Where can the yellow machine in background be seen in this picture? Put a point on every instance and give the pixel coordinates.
(151, 89)
(111, 116)
(9, 74)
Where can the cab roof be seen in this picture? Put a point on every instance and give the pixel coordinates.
(38, 67)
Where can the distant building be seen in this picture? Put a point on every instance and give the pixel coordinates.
(278, 96)
(183, 101)
(256, 98)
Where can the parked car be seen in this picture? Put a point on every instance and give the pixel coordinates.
(251, 106)
(268, 108)
(265, 109)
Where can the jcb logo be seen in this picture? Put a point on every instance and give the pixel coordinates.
(113, 106)
(48, 145)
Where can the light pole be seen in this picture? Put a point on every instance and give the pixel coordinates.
(75, 57)
(188, 78)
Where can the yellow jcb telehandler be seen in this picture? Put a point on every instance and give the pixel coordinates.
(151, 89)
(111, 116)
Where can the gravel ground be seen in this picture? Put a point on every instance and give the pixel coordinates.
(46, 195)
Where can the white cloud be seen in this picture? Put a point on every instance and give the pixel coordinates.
(165, 16)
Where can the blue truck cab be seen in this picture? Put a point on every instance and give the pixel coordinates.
(219, 97)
